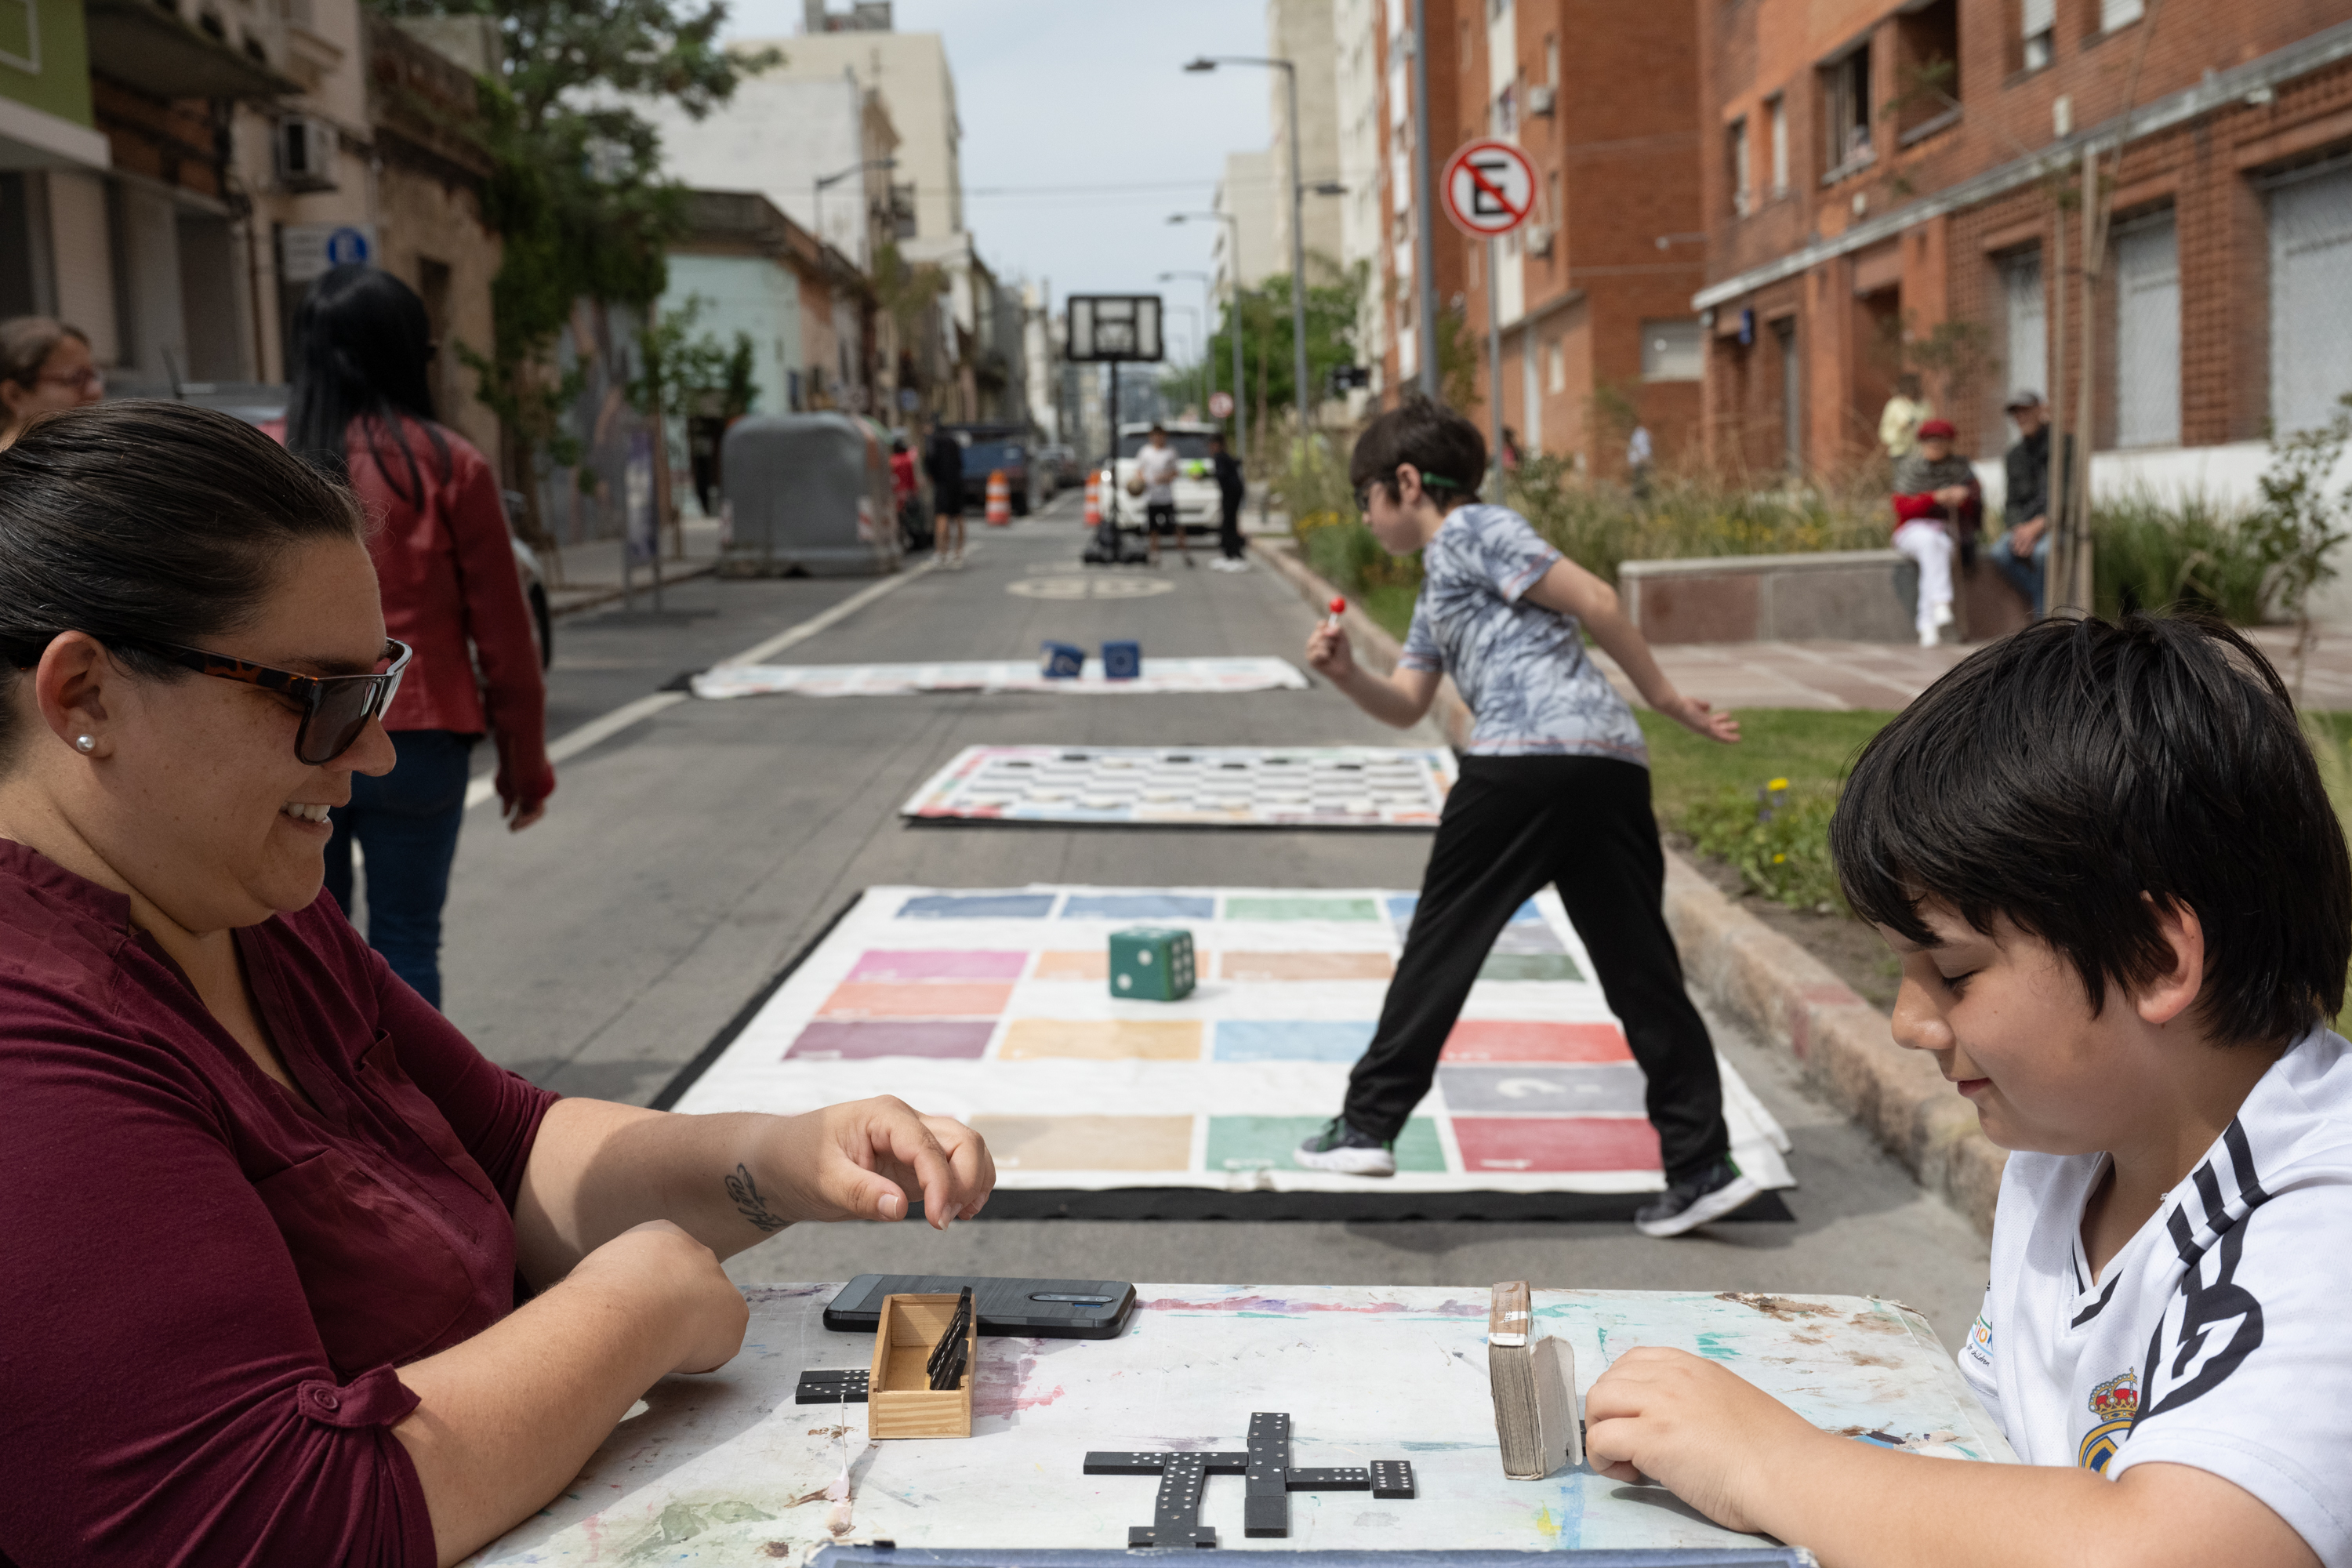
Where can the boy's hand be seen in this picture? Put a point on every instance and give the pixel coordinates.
(1701, 718)
(1704, 1434)
(1328, 653)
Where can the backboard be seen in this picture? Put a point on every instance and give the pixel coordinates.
(1114, 326)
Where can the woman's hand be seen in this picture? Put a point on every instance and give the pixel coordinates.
(1329, 653)
(863, 1159)
(1701, 718)
(521, 814)
(1706, 1435)
(680, 1288)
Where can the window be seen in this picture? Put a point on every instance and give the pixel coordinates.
(1556, 368)
(1777, 110)
(1742, 197)
(1926, 67)
(1551, 59)
(2027, 364)
(2147, 334)
(1845, 112)
(2113, 14)
(2311, 325)
(2037, 23)
(1670, 350)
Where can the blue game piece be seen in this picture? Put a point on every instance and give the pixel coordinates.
(1063, 662)
(1122, 660)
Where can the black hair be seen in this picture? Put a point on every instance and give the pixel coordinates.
(1446, 448)
(361, 345)
(1219, 438)
(2080, 774)
(148, 519)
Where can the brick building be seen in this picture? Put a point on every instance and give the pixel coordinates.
(1594, 293)
(1896, 189)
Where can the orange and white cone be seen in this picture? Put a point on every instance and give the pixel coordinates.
(999, 500)
(1094, 500)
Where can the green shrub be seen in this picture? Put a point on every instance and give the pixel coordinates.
(1778, 836)
(2191, 551)
(1599, 526)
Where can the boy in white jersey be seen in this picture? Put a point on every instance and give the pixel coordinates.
(2123, 911)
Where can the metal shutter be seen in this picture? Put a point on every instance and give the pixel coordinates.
(2311, 313)
(2148, 334)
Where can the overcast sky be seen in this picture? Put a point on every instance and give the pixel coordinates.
(1085, 94)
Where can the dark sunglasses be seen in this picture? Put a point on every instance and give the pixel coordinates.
(335, 708)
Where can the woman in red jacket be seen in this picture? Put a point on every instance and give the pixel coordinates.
(361, 411)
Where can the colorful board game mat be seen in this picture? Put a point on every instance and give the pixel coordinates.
(993, 1006)
(1209, 787)
(1159, 677)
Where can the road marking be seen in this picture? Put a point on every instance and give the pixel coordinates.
(598, 731)
(1067, 588)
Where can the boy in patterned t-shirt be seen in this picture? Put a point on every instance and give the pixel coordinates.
(1554, 789)
(2122, 907)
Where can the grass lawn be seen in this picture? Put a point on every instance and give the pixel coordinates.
(1390, 605)
(1794, 743)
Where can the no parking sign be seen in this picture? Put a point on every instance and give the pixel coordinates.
(1489, 188)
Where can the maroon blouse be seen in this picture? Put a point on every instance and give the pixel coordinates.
(204, 1284)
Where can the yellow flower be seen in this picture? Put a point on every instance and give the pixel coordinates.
(1778, 858)
(1778, 784)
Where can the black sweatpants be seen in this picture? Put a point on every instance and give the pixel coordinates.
(1583, 824)
(1228, 529)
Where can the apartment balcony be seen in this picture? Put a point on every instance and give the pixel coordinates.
(156, 47)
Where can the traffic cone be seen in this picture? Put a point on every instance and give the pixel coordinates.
(999, 500)
(1094, 500)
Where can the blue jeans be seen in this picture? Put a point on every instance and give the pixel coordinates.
(407, 824)
(2030, 576)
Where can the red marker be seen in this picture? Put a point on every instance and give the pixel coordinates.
(1332, 622)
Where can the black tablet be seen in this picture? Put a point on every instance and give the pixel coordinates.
(1038, 1308)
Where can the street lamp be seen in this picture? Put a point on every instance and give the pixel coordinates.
(816, 192)
(1234, 284)
(1208, 316)
(1297, 215)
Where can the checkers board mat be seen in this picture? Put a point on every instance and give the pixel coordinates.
(1159, 677)
(992, 1007)
(1230, 786)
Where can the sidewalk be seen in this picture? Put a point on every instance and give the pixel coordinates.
(1828, 674)
(580, 576)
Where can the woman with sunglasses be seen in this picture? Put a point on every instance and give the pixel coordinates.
(45, 366)
(266, 1215)
(360, 411)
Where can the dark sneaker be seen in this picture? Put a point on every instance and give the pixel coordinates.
(1688, 1205)
(1339, 1147)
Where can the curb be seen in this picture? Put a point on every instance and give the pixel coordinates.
(1783, 993)
(596, 595)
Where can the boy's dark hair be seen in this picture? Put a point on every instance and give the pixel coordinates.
(1446, 448)
(2059, 774)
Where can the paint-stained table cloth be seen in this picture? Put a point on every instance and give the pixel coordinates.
(714, 1469)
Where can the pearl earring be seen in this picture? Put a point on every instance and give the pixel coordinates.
(84, 743)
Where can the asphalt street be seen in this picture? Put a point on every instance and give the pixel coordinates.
(687, 857)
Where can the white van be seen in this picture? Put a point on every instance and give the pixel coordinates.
(1196, 477)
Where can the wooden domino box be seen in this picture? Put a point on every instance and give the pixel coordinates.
(900, 1401)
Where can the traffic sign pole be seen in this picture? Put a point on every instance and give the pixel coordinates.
(1489, 188)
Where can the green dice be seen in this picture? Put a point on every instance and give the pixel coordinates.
(1151, 963)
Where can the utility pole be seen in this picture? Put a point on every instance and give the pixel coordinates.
(1424, 245)
(1233, 290)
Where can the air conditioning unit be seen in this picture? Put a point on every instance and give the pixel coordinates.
(1542, 98)
(306, 153)
(1539, 238)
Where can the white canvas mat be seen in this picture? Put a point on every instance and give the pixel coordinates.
(1159, 677)
(1228, 786)
(993, 1006)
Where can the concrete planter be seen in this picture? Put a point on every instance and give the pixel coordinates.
(1848, 595)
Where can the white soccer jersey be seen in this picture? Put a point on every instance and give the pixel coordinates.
(2218, 1337)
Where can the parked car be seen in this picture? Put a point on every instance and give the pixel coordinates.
(1196, 479)
(1061, 462)
(988, 447)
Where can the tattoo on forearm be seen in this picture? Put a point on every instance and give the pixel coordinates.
(750, 1203)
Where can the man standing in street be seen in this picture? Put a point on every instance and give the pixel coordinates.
(1156, 465)
(943, 461)
(1233, 556)
(2024, 552)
